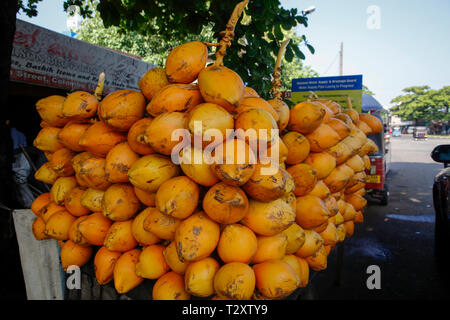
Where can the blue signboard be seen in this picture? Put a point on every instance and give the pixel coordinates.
(337, 88)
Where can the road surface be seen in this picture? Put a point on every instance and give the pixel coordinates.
(398, 238)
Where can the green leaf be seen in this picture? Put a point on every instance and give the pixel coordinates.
(311, 48)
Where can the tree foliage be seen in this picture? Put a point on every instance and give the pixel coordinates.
(367, 91)
(258, 35)
(29, 7)
(151, 48)
(423, 103)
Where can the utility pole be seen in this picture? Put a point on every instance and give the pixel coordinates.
(341, 59)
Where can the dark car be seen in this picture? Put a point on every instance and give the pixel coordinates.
(441, 192)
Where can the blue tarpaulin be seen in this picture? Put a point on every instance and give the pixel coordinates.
(370, 103)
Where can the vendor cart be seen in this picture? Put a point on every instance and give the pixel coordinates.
(376, 184)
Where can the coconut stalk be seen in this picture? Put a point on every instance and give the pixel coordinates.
(100, 85)
(276, 82)
(227, 34)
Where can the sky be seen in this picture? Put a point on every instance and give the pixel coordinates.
(394, 44)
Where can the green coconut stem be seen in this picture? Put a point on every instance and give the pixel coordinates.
(228, 33)
(100, 85)
(276, 82)
(312, 96)
(349, 103)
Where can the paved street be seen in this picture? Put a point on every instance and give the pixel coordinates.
(398, 237)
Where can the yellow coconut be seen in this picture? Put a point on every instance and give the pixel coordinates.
(199, 277)
(58, 225)
(80, 105)
(270, 218)
(153, 80)
(283, 112)
(99, 138)
(162, 136)
(270, 247)
(121, 108)
(185, 62)
(149, 172)
(172, 259)
(151, 263)
(211, 123)
(61, 187)
(61, 162)
(73, 254)
(90, 171)
(160, 224)
(341, 152)
(275, 279)
(178, 197)
(305, 178)
(222, 86)
(125, 278)
(322, 162)
(170, 287)
(258, 103)
(318, 261)
(311, 212)
(120, 202)
(47, 139)
(120, 237)
(70, 135)
(235, 280)
(305, 117)
(298, 147)
(256, 127)
(46, 174)
(295, 238)
(92, 199)
(269, 182)
(118, 161)
(237, 243)
(320, 190)
(197, 165)
(142, 236)
(313, 242)
(196, 237)
(174, 98)
(50, 109)
(322, 138)
(234, 162)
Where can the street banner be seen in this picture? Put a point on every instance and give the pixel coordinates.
(47, 58)
(336, 88)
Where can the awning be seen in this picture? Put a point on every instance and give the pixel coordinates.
(369, 103)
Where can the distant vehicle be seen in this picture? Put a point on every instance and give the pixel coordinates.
(396, 132)
(410, 130)
(380, 162)
(441, 196)
(420, 133)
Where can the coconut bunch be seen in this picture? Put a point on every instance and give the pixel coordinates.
(196, 222)
(327, 157)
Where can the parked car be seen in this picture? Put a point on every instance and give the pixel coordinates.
(396, 132)
(441, 202)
